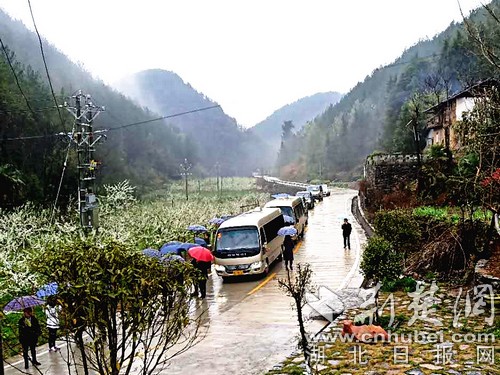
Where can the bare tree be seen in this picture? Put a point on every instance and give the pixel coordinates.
(486, 38)
(297, 287)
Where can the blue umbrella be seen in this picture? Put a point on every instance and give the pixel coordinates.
(197, 228)
(170, 249)
(47, 290)
(153, 253)
(172, 243)
(220, 220)
(287, 231)
(187, 245)
(288, 219)
(20, 303)
(171, 257)
(200, 241)
(176, 248)
(216, 220)
(281, 195)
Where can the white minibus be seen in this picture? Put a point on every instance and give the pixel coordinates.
(248, 243)
(294, 208)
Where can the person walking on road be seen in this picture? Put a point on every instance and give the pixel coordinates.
(288, 251)
(29, 331)
(52, 313)
(346, 233)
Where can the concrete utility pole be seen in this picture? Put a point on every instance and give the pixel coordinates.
(85, 111)
(217, 169)
(185, 167)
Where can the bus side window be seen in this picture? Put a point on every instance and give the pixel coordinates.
(271, 228)
(262, 236)
(297, 212)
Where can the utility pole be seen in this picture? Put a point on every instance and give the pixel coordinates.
(85, 111)
(217, 173)
(185, 167)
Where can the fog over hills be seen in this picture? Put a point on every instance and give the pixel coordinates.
(299, 112)
(218, 137)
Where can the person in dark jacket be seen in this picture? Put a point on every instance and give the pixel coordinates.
(29, 331)
(288, 246)
(203, 267)
(346, 233)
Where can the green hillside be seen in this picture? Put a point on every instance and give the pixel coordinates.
(371, 116)
(148, 154)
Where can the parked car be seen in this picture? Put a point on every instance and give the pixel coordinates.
(326, 191)
(317, 192)
(307, 197)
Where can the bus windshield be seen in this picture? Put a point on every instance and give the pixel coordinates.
(243, 238)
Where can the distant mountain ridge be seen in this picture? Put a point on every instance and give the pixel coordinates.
(299, 112)
(218, 137)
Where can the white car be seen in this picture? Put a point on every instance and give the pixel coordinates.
(326, 192)
(316, 191)
(308, 198)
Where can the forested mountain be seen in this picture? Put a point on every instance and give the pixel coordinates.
(373, 115)
(148, 154)
(217, 137)
(299, 112)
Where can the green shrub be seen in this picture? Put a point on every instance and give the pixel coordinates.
(407, 284)
(399, 228)
(380, 261)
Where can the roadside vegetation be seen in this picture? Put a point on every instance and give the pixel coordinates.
(37, 250)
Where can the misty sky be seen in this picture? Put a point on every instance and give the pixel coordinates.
(250, 56)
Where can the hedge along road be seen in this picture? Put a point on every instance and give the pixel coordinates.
(250, 325)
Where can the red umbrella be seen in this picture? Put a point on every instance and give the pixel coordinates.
(201, 253)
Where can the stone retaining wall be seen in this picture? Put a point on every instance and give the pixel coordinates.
(384, 173)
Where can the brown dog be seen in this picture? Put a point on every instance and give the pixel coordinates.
(364, 333)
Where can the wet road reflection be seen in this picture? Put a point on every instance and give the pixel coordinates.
(251, 323)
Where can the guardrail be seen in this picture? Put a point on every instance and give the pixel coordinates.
(276, 180)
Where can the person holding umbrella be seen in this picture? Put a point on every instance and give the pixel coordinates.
(202, 261)
(29, 331)
(288, 246)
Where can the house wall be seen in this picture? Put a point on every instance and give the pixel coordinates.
(385, 173)
(450, 115)
(463, 105)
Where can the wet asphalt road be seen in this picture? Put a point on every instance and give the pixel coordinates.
(250, 323)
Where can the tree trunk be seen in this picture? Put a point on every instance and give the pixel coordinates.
(81, 346)
(303, 338)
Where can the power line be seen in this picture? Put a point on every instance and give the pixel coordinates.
(7, 111)
(162, 118)
(46, 68)
(99, 131)
(16, 79)
(31, 137)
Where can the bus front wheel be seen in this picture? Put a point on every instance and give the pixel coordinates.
(266, 270)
